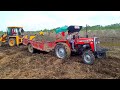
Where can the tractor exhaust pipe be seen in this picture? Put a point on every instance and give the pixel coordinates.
(86, 32)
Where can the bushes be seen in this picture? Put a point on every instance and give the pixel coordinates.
(1, 32)
(107, 27)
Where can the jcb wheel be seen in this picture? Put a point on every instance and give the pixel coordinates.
(31, 49)
(62, 51)
(12, 42)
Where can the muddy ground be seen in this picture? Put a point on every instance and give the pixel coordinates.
(18, 63)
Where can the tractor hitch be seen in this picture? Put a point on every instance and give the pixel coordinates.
(101, 53)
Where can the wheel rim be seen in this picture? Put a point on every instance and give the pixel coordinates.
(87, 58)
(11, 43)
(60, 52)
(30, 48)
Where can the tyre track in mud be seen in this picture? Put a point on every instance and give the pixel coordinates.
(18, 63)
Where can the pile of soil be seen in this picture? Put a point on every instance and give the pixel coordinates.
(44, 38)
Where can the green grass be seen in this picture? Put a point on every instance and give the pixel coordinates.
(110, 44)
(1, 33)
(114, 48)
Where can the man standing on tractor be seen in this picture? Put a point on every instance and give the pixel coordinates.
(69, 37)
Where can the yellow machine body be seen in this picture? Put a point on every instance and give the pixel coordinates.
(12, 39)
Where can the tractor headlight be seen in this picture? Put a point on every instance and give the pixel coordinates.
(97, 42)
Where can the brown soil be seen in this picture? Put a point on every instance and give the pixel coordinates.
(18, 63)
(45, 37)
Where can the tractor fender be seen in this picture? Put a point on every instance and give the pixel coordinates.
(58, 42)
(66, 48)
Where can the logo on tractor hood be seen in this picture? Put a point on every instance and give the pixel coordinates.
(86, 41)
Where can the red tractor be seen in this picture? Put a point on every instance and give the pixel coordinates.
(88, 48)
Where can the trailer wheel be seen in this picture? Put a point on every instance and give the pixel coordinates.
(12, 42)
(62, 51)
(31, 49)
(88, 57)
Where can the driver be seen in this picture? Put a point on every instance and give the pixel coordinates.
(69, 37)
(13, 32)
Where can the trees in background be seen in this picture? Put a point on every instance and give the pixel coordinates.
(95, 27)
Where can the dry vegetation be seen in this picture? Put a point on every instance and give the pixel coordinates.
(18, 63)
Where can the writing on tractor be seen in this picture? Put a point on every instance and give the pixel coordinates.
(13, 36)
(70, 41)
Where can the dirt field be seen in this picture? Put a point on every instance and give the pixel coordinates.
(18, 63)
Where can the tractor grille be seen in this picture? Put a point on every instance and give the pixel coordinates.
(97, 44)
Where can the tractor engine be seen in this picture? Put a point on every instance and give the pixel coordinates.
(93, 44)
(82, 44)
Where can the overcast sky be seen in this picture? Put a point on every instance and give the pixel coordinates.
(37, 20)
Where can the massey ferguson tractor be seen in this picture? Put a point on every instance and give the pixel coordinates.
(87, 48)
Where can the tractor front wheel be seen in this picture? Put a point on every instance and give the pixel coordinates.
(62, 51)
(12, 42)
(88, 57)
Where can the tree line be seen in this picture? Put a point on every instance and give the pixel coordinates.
(95, 27)
(107, 27)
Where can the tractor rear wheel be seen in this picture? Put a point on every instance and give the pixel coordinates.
(62, 51)
(31, 49)
(88, 57)
(12, 42)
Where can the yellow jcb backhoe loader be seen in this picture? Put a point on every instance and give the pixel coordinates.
(13, 36)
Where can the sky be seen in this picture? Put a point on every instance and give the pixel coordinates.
(37, 20)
